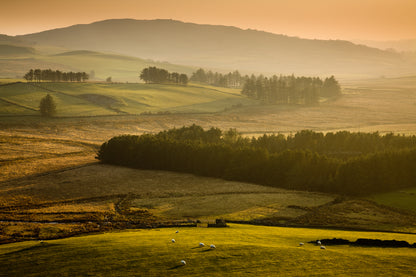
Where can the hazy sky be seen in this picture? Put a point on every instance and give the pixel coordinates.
(325, 19)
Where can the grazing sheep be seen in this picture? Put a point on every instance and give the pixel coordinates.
(183, 262)
(177, 232)
(201, 244)
(323, 247)
(212, 246)
(318, 242)
(173, 240)
(301, 244)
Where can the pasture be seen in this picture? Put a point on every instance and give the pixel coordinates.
(121, 68)
(102, 197)
(51, 187)
(404, 199)
(98, 99)
(241, 250)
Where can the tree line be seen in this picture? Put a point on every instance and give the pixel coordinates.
(275, 89)
(160, 76)
(343, 162)
(38, 75)
(231, 80)
(290, 89)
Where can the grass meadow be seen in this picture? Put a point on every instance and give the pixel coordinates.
(50, 186)
(403, 199)
(241, 250)
(98, 99)
(119, 67)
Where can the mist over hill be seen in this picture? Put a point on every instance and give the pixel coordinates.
(224, 47)
(406, 45)
(14, 50)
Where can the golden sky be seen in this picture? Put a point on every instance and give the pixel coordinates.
(322, 19)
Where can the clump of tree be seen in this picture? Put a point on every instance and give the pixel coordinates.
(39, 75)
(342, 162)
(290, 89)
(162, 76)
(47, 106)
(230, 80)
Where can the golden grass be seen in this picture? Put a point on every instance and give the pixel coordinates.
(26, 155)
(97, 207)
(241, 250)
(33, 145)
(233, 206)
(105, 180)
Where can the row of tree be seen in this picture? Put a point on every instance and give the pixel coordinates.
(38, 75)
(293, 162)
(230, 80)
(160, 76)
(290, 89)
(275, 89)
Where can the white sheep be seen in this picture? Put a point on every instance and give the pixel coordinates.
(201, 244)
(173, 240)
(183, 262)
(301, 244)
(212, 246)
(323, 247)
(318, 242)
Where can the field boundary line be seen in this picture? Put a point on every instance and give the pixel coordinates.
(47, 173)
(19, 105)
(78, 97)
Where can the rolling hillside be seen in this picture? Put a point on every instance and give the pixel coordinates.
(241, 250)
(16, 60)
(12, 50)
(227, 48)
(94, 99)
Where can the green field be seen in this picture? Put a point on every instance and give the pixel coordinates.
(403, 199)
(97, 99)
(241, 250)
(15, 61)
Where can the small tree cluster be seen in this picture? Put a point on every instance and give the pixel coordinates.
(290, 89)
(160, 76)
(230, 80)
(47, 106)
(39, 75)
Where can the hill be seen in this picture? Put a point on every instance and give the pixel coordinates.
(10, 40)
(12, 50)
(97, 99)
(227, 48)
(17, 60)
(240, 251)
(408, 45)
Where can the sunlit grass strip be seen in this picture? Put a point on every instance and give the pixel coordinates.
(240, 250)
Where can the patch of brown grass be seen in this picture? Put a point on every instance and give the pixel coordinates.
(23, 155)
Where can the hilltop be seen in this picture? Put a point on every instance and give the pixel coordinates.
(17, 59)
(13, 50)
(226, 47)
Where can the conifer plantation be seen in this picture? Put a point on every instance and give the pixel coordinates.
(39, 75)
(273, 90)
(343, 162)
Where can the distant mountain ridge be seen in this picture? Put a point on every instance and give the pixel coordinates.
(407, 45)
(225, 47)
(14, 50)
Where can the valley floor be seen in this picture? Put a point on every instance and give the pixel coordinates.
(51, 185)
